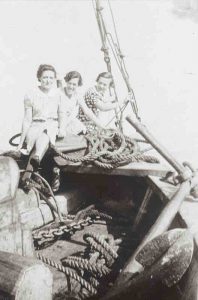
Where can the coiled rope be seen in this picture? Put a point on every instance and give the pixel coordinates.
(68, 272)
(109, 149)
(101, 241)
(84, 264)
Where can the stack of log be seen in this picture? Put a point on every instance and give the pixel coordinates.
(22, 277)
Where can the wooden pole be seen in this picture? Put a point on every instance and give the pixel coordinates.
(140, 128)
(23, 278)
(142, 209)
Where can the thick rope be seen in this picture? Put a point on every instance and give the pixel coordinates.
(100, 240)
(68, 272)
(99, 248)
(108, 150)
(85, 265)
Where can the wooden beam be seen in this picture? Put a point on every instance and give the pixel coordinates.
(132, 169)
(140, 128)
(24, 278)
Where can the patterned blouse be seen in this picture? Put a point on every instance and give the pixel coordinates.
(91, 97)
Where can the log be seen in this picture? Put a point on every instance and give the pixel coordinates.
(26, 200)
(42, 215)
(23, 278)
(9, 178)
(13, 236)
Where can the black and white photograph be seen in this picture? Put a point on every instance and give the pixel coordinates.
(99, 150)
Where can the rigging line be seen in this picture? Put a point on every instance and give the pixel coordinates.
(114, 54)
(113, 49)
(121, 62)
(114, 25)
(117, 58)
(105, 38)
(119, 52)
(121, 110)
(126, 78)
(94, 8)
(103, 32)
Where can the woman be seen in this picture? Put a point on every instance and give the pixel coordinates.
(95, 101)
(43, 117)
(73, 81)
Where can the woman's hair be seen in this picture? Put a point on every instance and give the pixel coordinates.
(74, 74)
(43, 68)
(105, 75)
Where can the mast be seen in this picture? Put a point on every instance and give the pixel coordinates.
(105, 49)
(107, 40)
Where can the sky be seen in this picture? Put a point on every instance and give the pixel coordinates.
(157, 37)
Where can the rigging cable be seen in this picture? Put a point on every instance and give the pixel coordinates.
(115, 48)
(103, 35)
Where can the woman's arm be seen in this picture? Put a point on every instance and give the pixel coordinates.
(105, 106)
(27, 120)
(61, 117)
(88, 112)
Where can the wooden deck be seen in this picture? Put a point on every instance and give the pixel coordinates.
(132, 169)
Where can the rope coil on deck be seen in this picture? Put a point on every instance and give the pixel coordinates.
(109, 149)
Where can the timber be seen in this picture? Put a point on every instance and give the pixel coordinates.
(14, 236)
(42, 215)
(23, 278)
(9, 178)
(143, 207)
(132, 169)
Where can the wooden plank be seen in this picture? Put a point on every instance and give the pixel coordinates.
(71, 143)
(24, 278)
(162, 188)
(132, 169)
(9, 178)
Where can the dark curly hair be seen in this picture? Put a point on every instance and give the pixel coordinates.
(107, 75)
(74, 74)
(43, 68)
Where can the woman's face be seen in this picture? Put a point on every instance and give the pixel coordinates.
(47, 79)
(71, 86)
(103, 84)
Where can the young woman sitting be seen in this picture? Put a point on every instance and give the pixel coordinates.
(43, 116)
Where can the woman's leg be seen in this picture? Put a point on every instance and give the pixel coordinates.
(41, 146)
